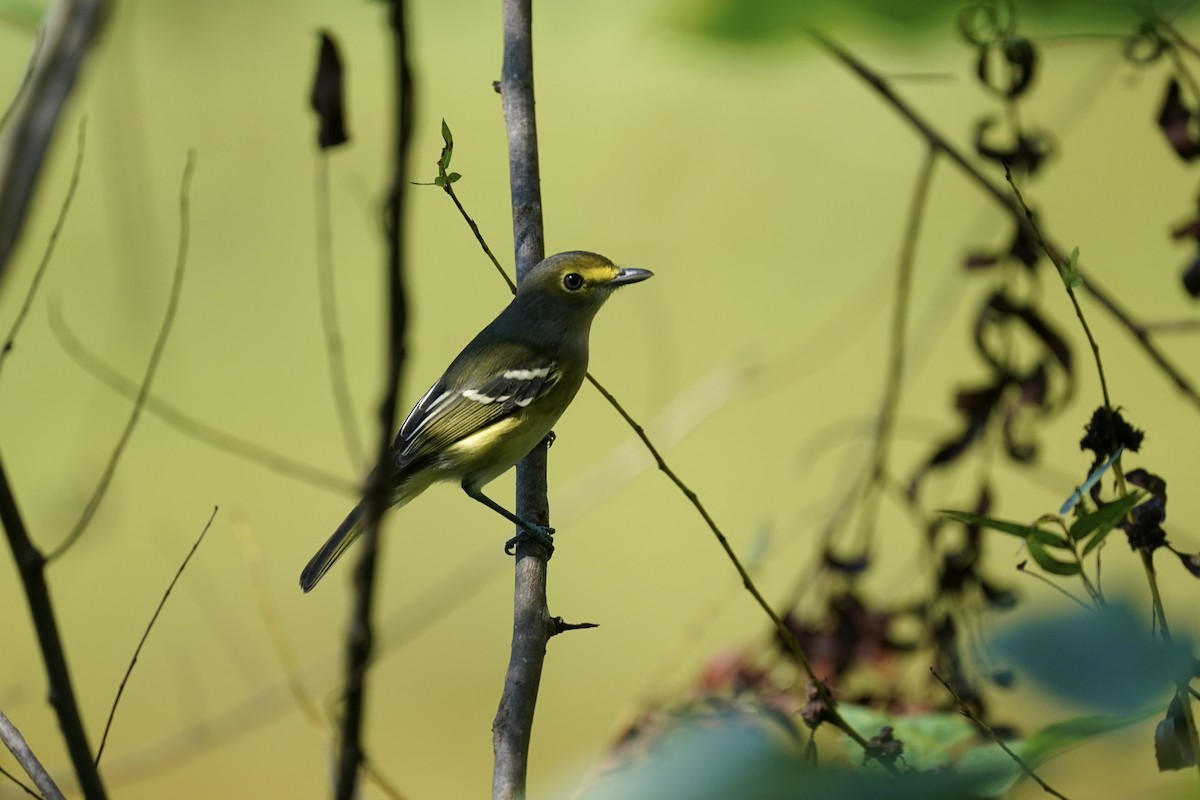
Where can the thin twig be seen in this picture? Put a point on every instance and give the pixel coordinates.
(339, 380)
(1006, 201)
(448, 188)
(21, 784)
(983, 726)
(190, 426)
(31, 565)
(532, 625)
(26, 79)
(1172, 326)
(17, 745)
(71, 28)
(160, 344)
(785, 633)
(359, 636)
(112, 712)
(1061, 267)
(897, 344)
(76, 171)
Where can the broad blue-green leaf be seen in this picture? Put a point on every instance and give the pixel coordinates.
(1104, 659)
(718, 762)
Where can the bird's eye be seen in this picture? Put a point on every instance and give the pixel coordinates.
(573, 281)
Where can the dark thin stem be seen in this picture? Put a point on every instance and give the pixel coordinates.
(1009, 204)
(983, 726)
(112, 712)
(902, 297)
(1065, 271)
(29, 762)
(1061, 267)
(31, 564)
(512, 727)
(72, 27)
(359, 637)
(160, 344)
(449, 189)
(20, 783)
(339, 381)
(76, 171)
(785, 633)
(190, 426)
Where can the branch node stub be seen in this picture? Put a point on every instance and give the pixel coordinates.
(559, 625)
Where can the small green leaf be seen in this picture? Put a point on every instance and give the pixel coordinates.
(1012, 528)
(452, 177)
(447, 148)
(439, 181)
(1049, 562)
(1097, 540)
(1070, 271)
(1105, 518)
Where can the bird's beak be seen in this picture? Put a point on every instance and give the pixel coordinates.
(630, 275)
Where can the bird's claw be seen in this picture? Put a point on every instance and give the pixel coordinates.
(548, 439)
(542, 534)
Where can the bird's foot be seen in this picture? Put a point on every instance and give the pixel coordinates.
(548, 439)
(542, 534)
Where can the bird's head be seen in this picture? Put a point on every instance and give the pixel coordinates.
(576, 282)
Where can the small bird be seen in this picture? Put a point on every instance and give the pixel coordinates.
(500, 397)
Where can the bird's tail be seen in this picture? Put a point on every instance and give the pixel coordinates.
(406, 488)
(333, 548)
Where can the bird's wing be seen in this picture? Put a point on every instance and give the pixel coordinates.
(453, 410)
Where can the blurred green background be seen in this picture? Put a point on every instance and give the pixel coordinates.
(768, 190)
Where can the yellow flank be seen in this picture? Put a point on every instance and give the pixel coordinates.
(499, 443)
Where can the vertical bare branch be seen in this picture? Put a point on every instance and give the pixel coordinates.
(71, 27)
(532, 625)
(359, 636)
(31, 564)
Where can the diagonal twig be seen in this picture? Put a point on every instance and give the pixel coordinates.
(191, 426)
(160, 344)
(983, 726)
(10, 341)
(112, 712)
